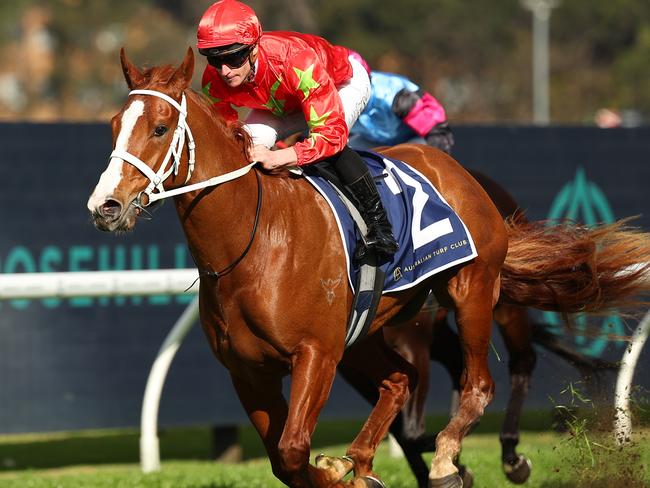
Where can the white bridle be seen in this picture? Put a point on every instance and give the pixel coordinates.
(156, 179)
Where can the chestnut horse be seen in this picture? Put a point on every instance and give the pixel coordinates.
(263, 244)
(428, 337)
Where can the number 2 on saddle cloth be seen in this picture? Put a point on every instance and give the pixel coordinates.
(430, 234)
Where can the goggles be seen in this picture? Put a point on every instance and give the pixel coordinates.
(233, 60)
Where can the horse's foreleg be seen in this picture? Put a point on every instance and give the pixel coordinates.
(474, 298)
(267, 410)
(393, 376)
(516, 331)
(412, 342)
(312, 374)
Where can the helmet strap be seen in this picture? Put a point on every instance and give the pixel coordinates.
(251, 63)
(251, 75)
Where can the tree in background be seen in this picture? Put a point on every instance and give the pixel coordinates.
(600, 57)
(59, 59)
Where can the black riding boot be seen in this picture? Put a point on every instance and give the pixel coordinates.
(380, 233)
(353, 173)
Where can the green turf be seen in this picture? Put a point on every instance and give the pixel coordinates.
(557, 463)
(109, 459)
(122, 446)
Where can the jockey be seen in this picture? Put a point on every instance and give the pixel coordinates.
(292, 81)
(400, 111)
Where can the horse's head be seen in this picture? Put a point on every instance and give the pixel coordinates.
(148, 137)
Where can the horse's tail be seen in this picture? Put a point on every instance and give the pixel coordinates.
(568, 268)
(549, 340)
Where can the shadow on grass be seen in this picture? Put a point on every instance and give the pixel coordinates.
(599, 483)
(195, 443)
(110, 447)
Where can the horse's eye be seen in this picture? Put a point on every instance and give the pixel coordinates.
(160, 131)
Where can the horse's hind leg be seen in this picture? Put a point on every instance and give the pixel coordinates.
(412, 341)
(393, 376)
(516, 331)
(474, 292)
(446, 349)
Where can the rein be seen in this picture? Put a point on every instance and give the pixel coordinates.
(156, 179)
(231, 266)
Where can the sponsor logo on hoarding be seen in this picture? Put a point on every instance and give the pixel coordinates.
(52, 258)
(582, 201)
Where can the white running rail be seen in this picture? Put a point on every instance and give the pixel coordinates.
(149, 445)
(622, 416)
(175, 281)
(96, 283)
(121, 283)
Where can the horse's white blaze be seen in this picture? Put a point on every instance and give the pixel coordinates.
(111, 177)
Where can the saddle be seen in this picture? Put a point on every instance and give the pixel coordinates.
(431, 236)
(370, 277)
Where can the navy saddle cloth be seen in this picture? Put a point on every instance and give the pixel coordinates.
(431, 236)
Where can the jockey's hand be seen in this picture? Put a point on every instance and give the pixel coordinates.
(273, 160)
(441, 137)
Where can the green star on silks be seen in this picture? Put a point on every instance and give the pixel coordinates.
(274, 105)
(206, 92)
(306, 80)
(316, 120)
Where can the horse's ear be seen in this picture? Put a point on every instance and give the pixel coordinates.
(185, 71)
(132, 75)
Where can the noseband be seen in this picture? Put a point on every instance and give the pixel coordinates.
(156, 179)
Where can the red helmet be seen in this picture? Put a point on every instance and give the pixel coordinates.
(228, 22)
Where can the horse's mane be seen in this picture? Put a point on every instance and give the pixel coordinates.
(235, 129)
(162, 75)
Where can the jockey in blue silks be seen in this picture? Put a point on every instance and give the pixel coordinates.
(400, 111)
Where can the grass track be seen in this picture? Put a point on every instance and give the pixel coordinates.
(109, 460)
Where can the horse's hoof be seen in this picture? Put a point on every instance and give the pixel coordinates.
(340, 465)
(466, 475)
(318, 460)
(519, 471)
(450, 481)
(372, 482)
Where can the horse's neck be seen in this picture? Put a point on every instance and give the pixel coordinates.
(218, 220)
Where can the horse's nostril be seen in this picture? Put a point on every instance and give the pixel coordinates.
(110, 210)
